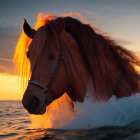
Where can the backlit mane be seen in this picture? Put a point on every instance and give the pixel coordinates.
(102, 56)
(20, 59)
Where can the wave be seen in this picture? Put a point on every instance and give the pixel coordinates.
(115, 112)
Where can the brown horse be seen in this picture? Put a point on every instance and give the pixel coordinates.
(69, 56)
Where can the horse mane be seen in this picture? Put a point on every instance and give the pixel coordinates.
(104, 59)
(21, 61)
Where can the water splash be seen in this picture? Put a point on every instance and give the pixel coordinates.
(115, 112)
(58, 114)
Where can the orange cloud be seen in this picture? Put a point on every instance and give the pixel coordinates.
(7, 66)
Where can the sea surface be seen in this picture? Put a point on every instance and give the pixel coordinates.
(115, 120)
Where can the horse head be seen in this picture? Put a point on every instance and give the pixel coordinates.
(52, 54)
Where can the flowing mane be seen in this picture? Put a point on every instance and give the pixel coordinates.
(20, 59)
(106, 61)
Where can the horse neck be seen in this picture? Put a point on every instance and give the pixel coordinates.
(77, 71)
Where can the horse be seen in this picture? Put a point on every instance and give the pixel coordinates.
(68, 56)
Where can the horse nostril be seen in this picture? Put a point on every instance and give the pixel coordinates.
(34, 103)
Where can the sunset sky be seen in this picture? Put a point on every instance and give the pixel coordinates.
(120, 19)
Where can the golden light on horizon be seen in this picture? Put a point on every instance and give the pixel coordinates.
(10, 87)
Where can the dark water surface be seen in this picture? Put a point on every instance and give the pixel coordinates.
(14, 124)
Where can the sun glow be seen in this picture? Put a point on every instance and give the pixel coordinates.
(10, 88)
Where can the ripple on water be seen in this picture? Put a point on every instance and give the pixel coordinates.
(8, 135)
(14, 123)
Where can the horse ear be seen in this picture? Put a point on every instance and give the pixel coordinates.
(59, 24)
(28, 30)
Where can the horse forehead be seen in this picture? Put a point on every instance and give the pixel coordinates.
(42, 31)
(69, 39)
(40, 38)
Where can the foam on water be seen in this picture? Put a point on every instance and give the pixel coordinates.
(115, 112)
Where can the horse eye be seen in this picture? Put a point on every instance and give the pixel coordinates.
(51, 57)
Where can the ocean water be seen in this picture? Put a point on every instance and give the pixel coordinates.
(118, 119)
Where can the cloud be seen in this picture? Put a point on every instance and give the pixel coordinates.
(93, 17)
(7, 66)
(8, 38)
(123, 41)
(6, 59)
(9, 34)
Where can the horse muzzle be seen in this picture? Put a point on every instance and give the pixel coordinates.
(34, 101)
